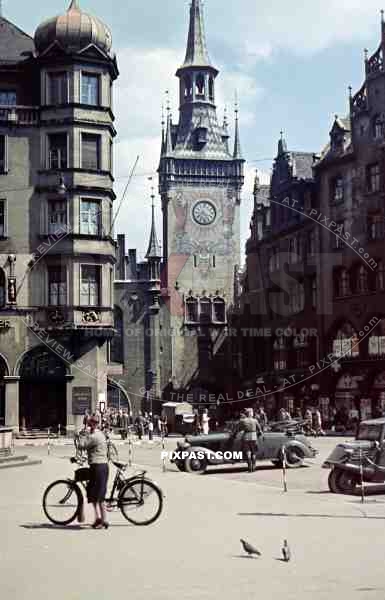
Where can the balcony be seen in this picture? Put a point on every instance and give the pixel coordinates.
(98, 320)
(15, 116)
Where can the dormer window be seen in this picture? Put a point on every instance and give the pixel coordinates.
(219, 310)
(191, 310)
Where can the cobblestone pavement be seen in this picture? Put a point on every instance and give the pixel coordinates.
(193, 551)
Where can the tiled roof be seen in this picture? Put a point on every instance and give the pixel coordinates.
(15, 45)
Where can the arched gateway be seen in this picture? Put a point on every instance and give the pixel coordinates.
(42, 390)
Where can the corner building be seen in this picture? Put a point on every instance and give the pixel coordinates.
(57, 252)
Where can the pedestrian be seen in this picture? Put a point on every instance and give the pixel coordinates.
(85, 419)
(197, 423)
(124, 425)
(252, 430)
(262, 418)
(95, 444)
(139, 422)
(150, 427)
(317, 419)
(164, 425)
(205, 422)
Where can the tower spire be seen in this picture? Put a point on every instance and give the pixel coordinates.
(237, 139)
(153, 251)
(196, 52)
(168, 141)
(74, 5)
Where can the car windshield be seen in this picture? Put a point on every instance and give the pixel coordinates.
(369, 432)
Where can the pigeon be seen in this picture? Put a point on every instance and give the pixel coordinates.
(286, 553)
(250, 549)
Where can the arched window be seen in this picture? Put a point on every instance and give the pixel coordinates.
(378, 127)
(3, 289)
(205, 310)
(191, 310)
(362, 279)
(187, 87)
(117, 342)
(376, 345)
(346, 342)
(200, 85)
(211, 88)
(219, 310)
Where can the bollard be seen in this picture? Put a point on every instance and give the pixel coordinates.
(163, 458)
(49, 441)
(362, 479)
(284, 465)
(129, 449)
(59, 430)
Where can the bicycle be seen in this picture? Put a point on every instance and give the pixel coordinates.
(63, 500)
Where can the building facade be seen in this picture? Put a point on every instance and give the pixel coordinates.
(57, 252)
(321, 301)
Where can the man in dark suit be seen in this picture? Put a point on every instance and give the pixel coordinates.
(252, 430)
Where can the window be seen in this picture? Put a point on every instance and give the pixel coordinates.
(377, 340)
(378, 127)
(280, 365)
(205, 310)
(200, 85)
(376, 227)
(90, 151)
(116, 346)
(380, 276)
(58, 88)
(346, 343)
(8, 98)
(57, 286)
(57, 151)
(57, 215)
(338, 239)
(373, 177)
(362, 280)
(314, 292)
(211, 88)
(3, 154)
(3, 288)
(90, 285)
(344, 287)
(219, 310)
(192, 310)
(338, 190)
(90, 89)
(90, 217)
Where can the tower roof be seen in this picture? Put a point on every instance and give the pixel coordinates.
(74, 31)
(154, 250)
(237, 138)
(196, 52)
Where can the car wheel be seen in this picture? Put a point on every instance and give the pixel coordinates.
(277, 463)
(195, 465)
(347, 483)
(294, 457)
(332, 481)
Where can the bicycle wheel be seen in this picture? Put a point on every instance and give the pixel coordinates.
(112, 452)
(141, 502)
(62, 501)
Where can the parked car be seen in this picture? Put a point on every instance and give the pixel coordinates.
(199, 450)
(368, 450)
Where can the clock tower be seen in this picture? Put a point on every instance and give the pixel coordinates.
(200, 181)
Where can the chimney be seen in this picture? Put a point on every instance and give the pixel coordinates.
(121, 257)
(132, 267)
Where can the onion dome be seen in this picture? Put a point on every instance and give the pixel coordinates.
(74, 31)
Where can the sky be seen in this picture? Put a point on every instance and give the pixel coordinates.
(290, 63)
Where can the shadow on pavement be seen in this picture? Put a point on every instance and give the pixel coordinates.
(260, 469)
(51, 526)
(309, 515)
(245, 556)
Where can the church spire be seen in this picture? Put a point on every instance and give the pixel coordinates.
(73, 6)
(153, 251)
(168, 140)
(237, 139)
(196, 53)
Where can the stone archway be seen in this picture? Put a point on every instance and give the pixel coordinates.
(42, 391)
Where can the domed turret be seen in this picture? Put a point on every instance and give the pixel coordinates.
(74, 31)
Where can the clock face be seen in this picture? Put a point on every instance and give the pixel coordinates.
(204, 213)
